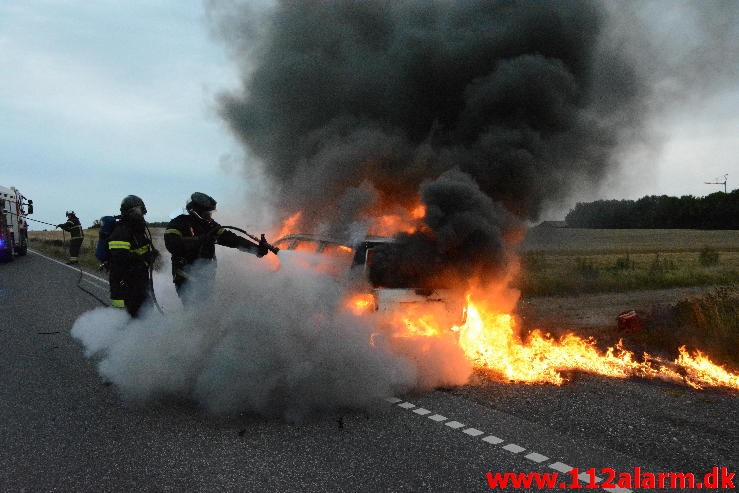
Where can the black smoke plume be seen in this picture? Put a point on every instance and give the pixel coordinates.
(487, 110)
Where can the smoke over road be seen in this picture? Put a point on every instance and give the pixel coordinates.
(517, 102)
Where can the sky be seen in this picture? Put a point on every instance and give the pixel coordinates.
(103, 99)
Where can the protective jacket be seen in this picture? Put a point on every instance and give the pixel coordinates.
(189, 238)
(131, 255)
(72, 226)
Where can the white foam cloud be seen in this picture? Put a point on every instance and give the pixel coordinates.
(277, 343)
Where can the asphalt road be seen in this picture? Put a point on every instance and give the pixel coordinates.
(63, 429)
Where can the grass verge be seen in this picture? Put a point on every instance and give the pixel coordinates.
(53, 244)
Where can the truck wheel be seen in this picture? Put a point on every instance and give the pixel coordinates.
(22, 249)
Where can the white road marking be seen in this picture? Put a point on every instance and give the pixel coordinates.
(585, 477)
(70, 267)
(473, 432)
(493, 439)
(559, 466)
(513, 448)
(536, 457)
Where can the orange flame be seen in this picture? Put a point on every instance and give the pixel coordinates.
(289, 224)
(361, 303)
(701, 372)
(491, 341)
(425, 325)
(418, 212)
(400, 220)
(385, 221)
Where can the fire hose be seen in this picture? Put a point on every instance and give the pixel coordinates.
(150, 269)
(82, 272)
(150, 282)
(49, 224)
(79, 279)
(42, 222)
(79, 285)
(151, 273)
(261, 240)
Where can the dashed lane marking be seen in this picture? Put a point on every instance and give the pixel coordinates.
(473, 432)
(584, 477)
(454, 424)
(494, 440)
(537, 457)
(559, 466)
(513, 448)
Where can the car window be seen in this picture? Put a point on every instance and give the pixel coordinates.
(283, 244)
(337, 250)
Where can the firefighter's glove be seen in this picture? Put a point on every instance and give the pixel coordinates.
(152, 256)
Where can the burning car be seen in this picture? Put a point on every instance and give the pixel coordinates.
(401, 294)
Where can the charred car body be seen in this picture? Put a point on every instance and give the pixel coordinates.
(389, 291)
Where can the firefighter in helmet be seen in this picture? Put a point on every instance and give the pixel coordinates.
(74, 228)
(191, 239)
(131, 257)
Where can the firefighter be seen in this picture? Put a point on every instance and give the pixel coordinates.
(191, 239)
(131, 258)
(74, 228)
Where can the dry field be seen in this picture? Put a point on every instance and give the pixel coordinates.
(563, 261)
(582, 241)
(56, 244)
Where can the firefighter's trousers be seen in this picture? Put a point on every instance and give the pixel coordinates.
(74, 249)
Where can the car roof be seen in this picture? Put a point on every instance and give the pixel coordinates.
(328, 239)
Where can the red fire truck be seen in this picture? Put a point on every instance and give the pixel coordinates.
(13, 225)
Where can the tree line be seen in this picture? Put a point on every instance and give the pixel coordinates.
(715, 211)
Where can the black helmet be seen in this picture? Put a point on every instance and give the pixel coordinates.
(201, 202)
(131, 201)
